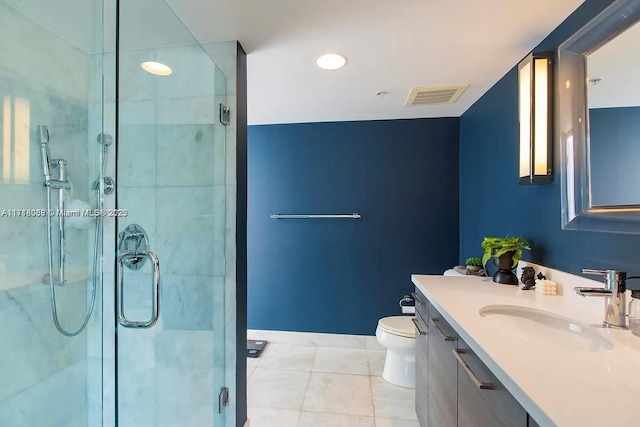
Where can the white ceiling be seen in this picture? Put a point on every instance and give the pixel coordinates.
(391, 46)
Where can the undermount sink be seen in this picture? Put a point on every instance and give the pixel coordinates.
(530, 324)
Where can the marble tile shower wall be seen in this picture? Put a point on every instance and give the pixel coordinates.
(52, 380)
(42, 372)
(171, 179)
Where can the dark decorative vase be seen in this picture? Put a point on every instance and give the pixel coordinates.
(505, 275)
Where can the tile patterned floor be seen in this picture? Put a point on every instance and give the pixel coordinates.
(323, 380)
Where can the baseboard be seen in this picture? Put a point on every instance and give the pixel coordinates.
(312, 338)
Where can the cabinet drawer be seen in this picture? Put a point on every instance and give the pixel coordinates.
(442, 371)
(422, 373)
(482, 400)
(421, 304)
(439, 327)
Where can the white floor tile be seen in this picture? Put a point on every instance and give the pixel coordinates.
(345, 387)
(339, 340)
(289, 357)
(391, 401)
(267, 417)
(376, 362)
(390, 422)
(323, 419)
(252, 363)
(310, 338)
(276, 388)
(341, 361)
(339, 393)
(373, 344)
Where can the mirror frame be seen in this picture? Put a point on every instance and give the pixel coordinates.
(572, 124)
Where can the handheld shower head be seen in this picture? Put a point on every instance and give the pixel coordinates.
(43, 134)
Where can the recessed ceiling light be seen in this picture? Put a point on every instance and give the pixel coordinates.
(331, 61)
(156, 68)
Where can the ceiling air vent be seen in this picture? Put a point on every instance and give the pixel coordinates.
(434, 95)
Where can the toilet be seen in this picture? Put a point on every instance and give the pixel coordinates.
(397, 335)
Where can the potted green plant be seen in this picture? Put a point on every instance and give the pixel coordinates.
(474, 264)
(506, 252)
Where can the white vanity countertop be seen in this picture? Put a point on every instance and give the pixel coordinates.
(556, 384)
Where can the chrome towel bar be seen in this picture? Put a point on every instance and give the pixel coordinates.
(350, 216)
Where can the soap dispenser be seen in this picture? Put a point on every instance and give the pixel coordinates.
(634, 312)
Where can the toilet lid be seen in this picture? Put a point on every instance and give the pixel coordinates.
(398, 325)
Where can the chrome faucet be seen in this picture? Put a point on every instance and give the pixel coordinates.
(614, 289)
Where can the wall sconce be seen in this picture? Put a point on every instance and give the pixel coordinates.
(535, 113)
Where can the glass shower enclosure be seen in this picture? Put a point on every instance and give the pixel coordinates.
(112, 218)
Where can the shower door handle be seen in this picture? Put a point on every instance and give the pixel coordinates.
(133, 257)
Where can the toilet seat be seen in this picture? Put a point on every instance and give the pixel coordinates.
(398, 325)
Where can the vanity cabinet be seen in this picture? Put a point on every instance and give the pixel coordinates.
(453, 386)
(442, 371)
(482, 400)
(422, 354)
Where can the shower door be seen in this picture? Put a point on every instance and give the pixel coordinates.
(86, 131)
(170, 185)
(52, 144)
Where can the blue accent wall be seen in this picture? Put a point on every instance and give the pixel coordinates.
(615, 150)
(491, 201)
(343, 275)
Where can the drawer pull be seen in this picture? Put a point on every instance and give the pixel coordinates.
(417, 298)
(420, 331)
(444, 336)
(458, 352)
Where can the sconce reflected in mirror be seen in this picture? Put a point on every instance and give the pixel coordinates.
(535, 113)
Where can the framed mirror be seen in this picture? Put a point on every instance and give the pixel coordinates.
(598, 122)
